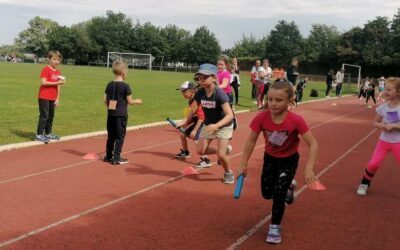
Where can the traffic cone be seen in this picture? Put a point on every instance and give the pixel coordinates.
(316, 185)
(91, 156)
(189, 171)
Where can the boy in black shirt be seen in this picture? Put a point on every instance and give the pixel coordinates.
(117, 97)
(299, 89)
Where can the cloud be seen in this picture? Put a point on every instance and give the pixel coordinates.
(226, 18)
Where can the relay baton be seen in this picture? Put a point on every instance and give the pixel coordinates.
(197, 136)
(175, 126)
(239, 186)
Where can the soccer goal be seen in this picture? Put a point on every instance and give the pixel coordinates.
(352, 74)
(134, 60)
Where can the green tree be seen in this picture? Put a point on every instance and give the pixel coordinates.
(394, 43)
(375, 50)
(176, 39)
(284, 43)
(350, 48)
(249, 47)
(146, 38)
(85, 49)
(35, 38)
(320, 45)
(203, 47)
(62, 39)
(111, 32)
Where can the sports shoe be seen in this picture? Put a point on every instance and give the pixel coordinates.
(229, 178)
(119, 161)
(290, 192)
(184, 154)
(203, 163)
(362, 189)
(41, 138)
(52, 137)
(107, 159)
(274, 234)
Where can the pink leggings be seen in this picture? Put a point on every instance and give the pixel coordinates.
(381, 150)
(259, 92)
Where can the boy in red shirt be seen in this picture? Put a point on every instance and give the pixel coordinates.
(281, 129)
(49, 97)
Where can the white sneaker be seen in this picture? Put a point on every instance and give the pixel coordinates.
(362, 189)
(274, 234)
(203, 163)
(229, 178)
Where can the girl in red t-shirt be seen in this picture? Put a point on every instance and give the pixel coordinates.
(281, 129)
(49, 96)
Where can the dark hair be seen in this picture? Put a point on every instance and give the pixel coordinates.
(281, 83)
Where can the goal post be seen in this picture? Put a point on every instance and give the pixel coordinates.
(357, 67)
(135, 60)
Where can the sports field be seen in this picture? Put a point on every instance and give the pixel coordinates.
(53, 198)
(81, 107)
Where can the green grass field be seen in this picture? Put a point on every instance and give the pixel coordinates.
(81, 108)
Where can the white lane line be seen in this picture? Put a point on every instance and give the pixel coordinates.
(76, 216)
(89, 161)
(254, 229)
(78, 164)
(73, 217)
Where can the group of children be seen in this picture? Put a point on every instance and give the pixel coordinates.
(211, 112)
(367, 89)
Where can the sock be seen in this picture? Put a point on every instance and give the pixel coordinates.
(365, 181)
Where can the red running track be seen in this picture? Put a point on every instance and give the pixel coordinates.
(53, 199)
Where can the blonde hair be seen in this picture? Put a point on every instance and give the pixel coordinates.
(395, 81)
(54, 53)
(224, 59)
(283, 85)
(119, 67)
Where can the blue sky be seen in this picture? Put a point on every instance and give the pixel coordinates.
(228, 19)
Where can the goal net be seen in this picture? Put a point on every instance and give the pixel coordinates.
(352, 75)
(133, 60)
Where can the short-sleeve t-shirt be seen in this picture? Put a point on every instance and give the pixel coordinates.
(49, 92)
(281, 140)
(225, 75)
(389, 116)
(212, 106)
(118, 91)
(199, 113)
(268, 72)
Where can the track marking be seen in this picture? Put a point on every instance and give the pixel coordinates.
(77, 164)
(131, 151)
(89, 211)
(261, 223)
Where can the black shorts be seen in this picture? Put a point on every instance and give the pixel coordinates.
(277, 174)
(191, 126)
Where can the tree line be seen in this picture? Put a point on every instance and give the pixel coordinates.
(375, 46)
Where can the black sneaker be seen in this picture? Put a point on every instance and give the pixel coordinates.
(107, 159)
(184, 154)
(119, 161)
(290, 192)
(203, 163)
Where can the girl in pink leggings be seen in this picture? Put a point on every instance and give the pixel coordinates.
(388, 120)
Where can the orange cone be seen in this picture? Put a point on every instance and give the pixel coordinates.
(91, 156)
(189, 171)
(317, 185)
